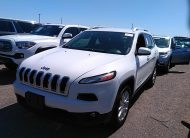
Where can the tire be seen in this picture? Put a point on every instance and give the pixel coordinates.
(121, 107)
(12, 67)
(167, 68)
(152, 79)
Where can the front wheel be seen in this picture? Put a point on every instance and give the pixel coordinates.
(167, 68)
(121, 107)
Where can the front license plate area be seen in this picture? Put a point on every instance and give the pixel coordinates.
(34, 100)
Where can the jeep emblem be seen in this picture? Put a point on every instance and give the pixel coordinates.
(45, 68)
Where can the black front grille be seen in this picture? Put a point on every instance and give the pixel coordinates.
(26, 75)
(47, 81)
(63, 83)
(5, 46)
(38, 78)
(31, 77)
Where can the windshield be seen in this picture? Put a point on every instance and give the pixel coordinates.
(48, 30)
(162, 42)
(100, 41)
(182, 42)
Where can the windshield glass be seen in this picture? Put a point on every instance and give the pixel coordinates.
(100, 41)
(48, 30)
(162, 42)
(182, 42)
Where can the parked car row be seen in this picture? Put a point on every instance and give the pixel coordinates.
(97, 72)
(173, 51)
(12, 26)
(15, 48)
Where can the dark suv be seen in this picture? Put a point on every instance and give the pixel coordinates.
(11, 26)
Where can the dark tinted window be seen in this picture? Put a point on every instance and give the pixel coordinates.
(6, 26)
(140, 42)
(27, 27)
(48, 30)
(72, 30)
(105, 42)
(161, 42)
(182, 42)
(149, 42)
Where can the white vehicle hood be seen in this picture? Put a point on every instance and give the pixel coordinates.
(26, 37)
(163, 50)
(68, 62)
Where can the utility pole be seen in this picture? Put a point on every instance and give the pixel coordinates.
(39, 15)
(61, 20)
(132, 27)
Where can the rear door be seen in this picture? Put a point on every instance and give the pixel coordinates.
(142, 62)
(152, 58)
(180, 54)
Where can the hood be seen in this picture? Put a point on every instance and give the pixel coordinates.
(68, 62)
(26, 37)
(163, 50)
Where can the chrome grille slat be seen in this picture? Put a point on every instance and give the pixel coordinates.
(45, 81)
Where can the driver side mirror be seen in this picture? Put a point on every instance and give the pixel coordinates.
(144, 51)
(67, 35)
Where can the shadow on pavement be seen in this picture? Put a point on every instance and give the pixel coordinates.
(176, 72)
(162, 73)
(6, 76)
(16, 121)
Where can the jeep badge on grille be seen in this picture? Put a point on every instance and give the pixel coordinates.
(45, 68)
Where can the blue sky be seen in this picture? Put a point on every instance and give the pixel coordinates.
(162, 17)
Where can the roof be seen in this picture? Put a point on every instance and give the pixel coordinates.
(157, 36)
(30, 21)
(66, 25)
(116, 30)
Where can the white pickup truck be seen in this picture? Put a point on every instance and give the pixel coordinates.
(15, 48)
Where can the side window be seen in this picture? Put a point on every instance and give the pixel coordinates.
(140, 42)
(149, 41)
(72, 30)
(6, 26)
(26, 27)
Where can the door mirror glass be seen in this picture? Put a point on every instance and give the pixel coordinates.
(144, 51)
(67, 35)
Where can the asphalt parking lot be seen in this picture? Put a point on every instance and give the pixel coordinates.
(162, 111)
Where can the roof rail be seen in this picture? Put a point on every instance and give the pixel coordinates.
(96, 27)
(137, 29)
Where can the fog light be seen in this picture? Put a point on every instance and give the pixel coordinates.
(87, 97)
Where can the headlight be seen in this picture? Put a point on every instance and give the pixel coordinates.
(25, 44)
(99, 78)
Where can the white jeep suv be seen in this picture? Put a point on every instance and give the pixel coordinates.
(97, 72)
(15, 48)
